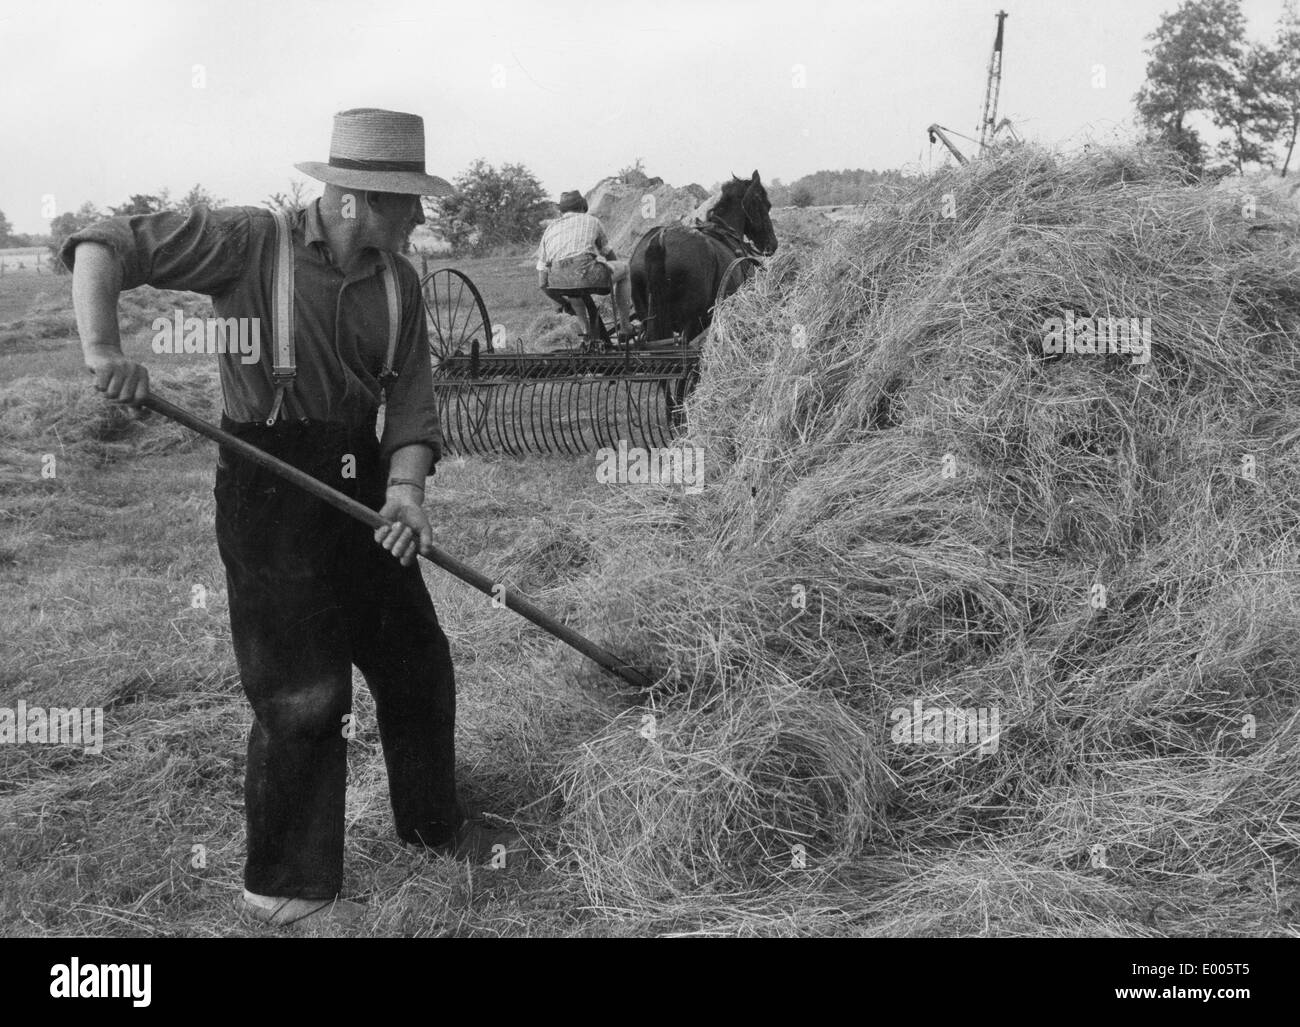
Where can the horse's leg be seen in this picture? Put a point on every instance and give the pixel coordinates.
(637, 279)
(621, 294)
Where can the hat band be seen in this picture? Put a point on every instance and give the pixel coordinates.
(376, 165)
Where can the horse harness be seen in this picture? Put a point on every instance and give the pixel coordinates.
(721, 232)
(718, 231)
(284, 364)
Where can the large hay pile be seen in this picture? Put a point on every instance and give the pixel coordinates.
(629, 206)
(1102, 553)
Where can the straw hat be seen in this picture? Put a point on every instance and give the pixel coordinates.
(379, 150)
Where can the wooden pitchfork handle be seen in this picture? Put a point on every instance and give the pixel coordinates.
(433, 554)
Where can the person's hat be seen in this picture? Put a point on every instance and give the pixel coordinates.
(572, 200)
(379, 150)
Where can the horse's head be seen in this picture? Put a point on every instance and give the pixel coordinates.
(744, 205)
(758, 222)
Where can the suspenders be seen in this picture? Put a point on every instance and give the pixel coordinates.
(387, 376)
(284, 366)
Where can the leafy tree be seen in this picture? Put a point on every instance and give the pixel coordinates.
(142, 203)
(637, 167)
(778, 193)
(1192, 63)
(298, 196)
(801, 196)
(1252, 109)
(197, 196)
(65, 225)
(1287, 80)
(6, 231)
(492, 207)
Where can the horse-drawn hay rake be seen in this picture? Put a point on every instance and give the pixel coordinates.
(562, 402)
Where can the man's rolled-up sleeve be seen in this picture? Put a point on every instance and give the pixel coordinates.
(411, 413)
(202, 250)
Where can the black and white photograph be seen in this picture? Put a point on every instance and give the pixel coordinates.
(731, 469)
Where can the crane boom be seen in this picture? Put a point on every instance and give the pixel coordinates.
(936, 132)
(993, 88)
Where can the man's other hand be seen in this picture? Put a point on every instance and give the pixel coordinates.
(408, 529)
(119, 379)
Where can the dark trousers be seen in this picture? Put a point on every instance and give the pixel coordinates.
(311, 594)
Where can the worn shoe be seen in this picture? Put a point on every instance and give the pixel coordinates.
(299, 913)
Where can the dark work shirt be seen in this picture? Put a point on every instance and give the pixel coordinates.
(341, 320)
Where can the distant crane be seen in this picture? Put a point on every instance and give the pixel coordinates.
(992, 88)
(989, 126)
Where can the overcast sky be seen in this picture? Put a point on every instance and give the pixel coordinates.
(102, 99)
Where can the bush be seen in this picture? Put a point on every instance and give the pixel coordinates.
(67, 224)
(492, 207)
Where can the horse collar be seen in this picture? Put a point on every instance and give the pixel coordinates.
(727, 235)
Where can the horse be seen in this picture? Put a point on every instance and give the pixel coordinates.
(677, 270)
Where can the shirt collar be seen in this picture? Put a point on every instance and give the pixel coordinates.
(313, 230)
(313, 234)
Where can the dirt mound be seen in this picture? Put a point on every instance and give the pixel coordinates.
(631, 205)
(1016, 631)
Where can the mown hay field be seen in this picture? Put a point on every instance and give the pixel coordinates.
(908, 509)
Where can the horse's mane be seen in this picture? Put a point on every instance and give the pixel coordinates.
(733, 195)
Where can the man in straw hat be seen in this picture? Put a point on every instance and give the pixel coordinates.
(310, 593)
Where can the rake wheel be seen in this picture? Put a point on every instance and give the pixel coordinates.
(456, 313)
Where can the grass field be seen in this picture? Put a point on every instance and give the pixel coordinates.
(98, 571)
(508, 285)
(890, 445)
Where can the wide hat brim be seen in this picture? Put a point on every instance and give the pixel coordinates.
(413, 183)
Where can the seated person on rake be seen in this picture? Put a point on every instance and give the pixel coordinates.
(575, 262)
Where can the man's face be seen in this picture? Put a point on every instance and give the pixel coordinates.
(394, 217)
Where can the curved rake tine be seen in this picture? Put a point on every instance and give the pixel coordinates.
(578, 400)
(543, 423)
(514, 423)
(555, 417)
(568, 413)
(501, 411)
